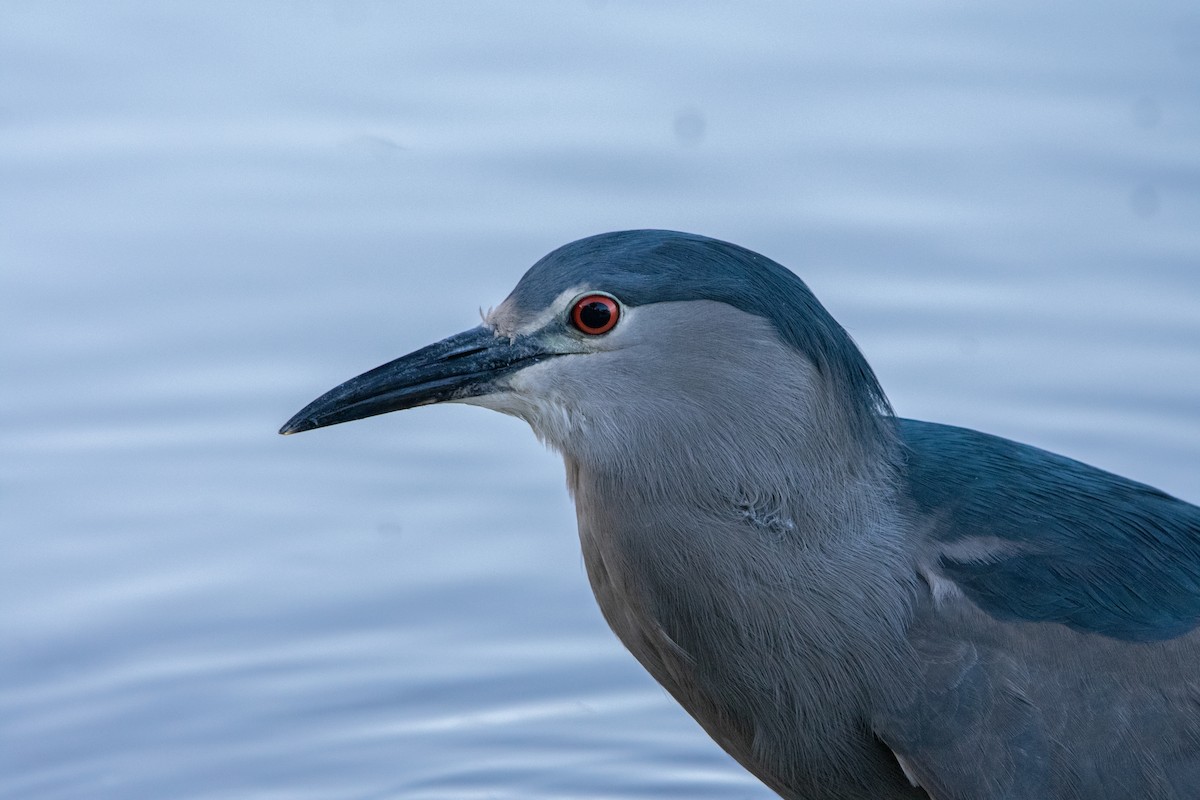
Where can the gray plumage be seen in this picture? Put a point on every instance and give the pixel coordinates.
(852, 605)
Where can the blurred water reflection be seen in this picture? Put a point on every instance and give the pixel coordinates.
(210, 214)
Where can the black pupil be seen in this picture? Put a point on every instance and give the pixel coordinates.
(595, 314)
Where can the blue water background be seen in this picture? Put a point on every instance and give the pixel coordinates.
(212, 212)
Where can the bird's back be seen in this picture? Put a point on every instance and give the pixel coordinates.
(1055, 640)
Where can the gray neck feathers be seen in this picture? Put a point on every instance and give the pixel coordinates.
(707, 516)
(742, 425)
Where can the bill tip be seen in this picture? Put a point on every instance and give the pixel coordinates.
(296, 426)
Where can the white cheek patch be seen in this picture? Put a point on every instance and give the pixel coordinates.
(505, 402)
(528, 397)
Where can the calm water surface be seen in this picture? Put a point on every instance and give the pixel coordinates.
(211, 214)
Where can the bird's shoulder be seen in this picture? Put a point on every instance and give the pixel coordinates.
(1028, 535)
(1055, 651)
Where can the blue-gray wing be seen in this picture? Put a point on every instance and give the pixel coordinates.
(1056, 647)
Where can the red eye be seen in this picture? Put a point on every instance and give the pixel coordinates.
(595, 314)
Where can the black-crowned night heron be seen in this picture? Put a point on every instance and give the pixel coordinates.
(853, 605)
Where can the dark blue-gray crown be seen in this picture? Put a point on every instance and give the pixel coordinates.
(641, 267)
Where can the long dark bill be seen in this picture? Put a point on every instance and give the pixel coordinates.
(464, 365)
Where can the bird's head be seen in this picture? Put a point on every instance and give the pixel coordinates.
(645, 340)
